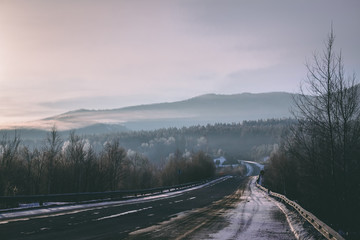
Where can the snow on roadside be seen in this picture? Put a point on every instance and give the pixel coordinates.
(301, 228)
(259, 216)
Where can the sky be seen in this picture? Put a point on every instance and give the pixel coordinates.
(62, 55)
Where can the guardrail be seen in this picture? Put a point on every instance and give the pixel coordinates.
(14, 201)
(324, 229)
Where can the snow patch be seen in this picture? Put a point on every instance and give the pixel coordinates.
(258, 216)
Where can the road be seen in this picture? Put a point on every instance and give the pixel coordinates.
(230, 209)
(115, 221)
(247, 213)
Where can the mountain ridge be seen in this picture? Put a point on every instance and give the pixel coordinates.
(208, 96)
(200, 110)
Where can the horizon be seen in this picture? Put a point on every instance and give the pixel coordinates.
(80, 118)
(62, 56)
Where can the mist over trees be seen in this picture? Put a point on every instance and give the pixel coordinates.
(73, 166)
(318, 163)
(251, 140)
(130, 160)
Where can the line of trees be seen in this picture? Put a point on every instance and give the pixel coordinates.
(251, 140)
(60, 163)
(247, 140)
(319, 162)
(73, 166)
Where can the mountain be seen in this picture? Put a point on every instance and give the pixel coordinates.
(201, 110)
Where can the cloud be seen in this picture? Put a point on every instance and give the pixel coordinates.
(63, 55)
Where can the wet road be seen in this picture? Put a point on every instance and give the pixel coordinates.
(256, 216)
(233, 208)
(115, 221)
(248, 213)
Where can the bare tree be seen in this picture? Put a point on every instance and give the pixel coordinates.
(76, 154)
(8, 157)
(328, 131)
(52, 149)
(8, 149)
(115, 160)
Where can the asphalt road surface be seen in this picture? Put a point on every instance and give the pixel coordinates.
(230, 209)
(117, 221)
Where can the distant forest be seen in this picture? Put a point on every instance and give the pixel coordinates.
(250, 140)
(74, 166)
(129, 160)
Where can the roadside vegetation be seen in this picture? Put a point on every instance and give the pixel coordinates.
(318, 162)
(250, 140)
(73, 166)
(130, 160)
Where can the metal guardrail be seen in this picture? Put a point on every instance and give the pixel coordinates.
(14, 201)
(320, 226)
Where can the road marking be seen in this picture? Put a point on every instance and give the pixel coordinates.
(123, 213)
(67, 210)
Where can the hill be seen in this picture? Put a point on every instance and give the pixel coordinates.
(201, 110)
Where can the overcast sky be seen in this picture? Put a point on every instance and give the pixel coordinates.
(63, 55)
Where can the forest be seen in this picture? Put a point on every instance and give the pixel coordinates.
(129, 160)
(251, 140)
(74, 166)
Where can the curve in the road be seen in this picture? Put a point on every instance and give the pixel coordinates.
(247, 213)
(231, 209)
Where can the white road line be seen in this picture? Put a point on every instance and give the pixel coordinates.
(25, 215)
(123, 213)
